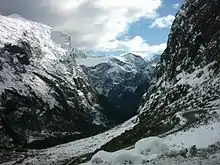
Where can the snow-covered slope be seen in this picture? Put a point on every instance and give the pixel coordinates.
(44, 94)
(121, 81)
(197, 146)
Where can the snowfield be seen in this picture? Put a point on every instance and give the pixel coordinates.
(174, 149)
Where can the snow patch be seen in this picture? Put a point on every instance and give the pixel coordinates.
(202, 137)
(194, 79)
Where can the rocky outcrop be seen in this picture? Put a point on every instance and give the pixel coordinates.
(45, 97)
(120, 81)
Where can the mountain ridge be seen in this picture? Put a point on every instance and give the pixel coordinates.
(120, 82)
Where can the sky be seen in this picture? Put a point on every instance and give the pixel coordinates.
(108, 27)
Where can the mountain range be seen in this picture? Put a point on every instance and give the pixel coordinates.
(53, 94)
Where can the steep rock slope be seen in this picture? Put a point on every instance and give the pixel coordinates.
(186, 92)
(120, 81)
(45, 96)
(188, 75)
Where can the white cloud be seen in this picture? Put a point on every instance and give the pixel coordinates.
(176, 6)
(93, 24)
(135, 45)
(163, 22)
(99, 22)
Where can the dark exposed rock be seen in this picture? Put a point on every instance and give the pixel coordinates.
(23, 52)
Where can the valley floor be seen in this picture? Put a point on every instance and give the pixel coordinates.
(63, 153)
(174, 148)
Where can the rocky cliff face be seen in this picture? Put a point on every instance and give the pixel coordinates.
(120, 81)
(45, 98)
(188, 75)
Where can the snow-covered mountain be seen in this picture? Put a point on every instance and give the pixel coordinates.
(120, 81)
(45, 98)
(179, 118)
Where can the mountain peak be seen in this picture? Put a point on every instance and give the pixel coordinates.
(17, 16)
(130, 55)
(133, 59)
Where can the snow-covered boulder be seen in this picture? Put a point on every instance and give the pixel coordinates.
(120, 157)
(144, 150)
(150, 146)
(126, 157)
(176, 148)
(101, 158)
